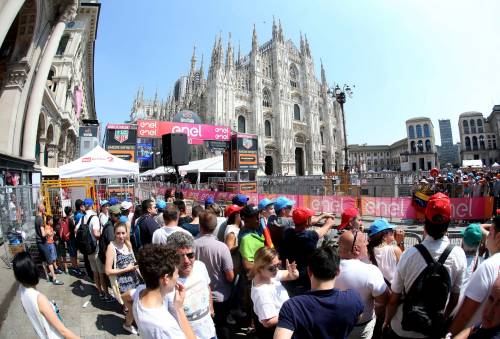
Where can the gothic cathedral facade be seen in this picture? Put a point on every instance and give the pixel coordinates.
(272, 92)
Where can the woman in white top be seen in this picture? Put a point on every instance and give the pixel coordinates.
(40, 311)
(158, 266)
(381, 251)
(232, 214)
(268, 295)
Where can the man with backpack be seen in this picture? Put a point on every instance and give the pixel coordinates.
(147, 223)
(88, 232)
(428, 278)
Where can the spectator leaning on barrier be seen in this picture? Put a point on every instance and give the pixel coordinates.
(193, 275)
(325, 311)
(299, 244)
(217, 258)
(436, 302)
(480, 282)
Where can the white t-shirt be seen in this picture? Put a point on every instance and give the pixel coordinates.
(366, 279)
(473, 261)
(29, 299)
(411, 264)
(232, 229)
(386, 261)
(155, 323)
(161, 235)
(268, 298)
(480, 284)
(197, 301)
(103, 218)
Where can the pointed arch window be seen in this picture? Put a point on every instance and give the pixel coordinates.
(296, 112)
(413, 148)
(242, 124)
(467, 144)
(474, 143)
(428, 146)
(293, 76)
(267, 128)
(482, 145)
(266, 98)
(480, 126)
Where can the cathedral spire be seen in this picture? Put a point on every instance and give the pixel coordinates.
(220, 51)
(255, 44)
(275, 30)
(239, 52)
(323, 76)
(229, 55)
(280, 31)
(308, 51)
(302, 46)
(201, 68)
(193, 60)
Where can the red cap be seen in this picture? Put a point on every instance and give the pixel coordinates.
(348, 214)
(301, 215)
(230, 209)
(438, 209)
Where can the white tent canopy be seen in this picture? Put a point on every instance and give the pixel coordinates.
(472, 163)
(209, 165)
(495, 165)
(98, 163)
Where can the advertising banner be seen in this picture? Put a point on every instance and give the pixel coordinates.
(144, 151)
(247, 151)
(197, 133)
(88, 131)
(120, 137)
(125, 154)
(477, 208)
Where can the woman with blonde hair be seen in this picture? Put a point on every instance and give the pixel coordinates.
(268, 295)
(122, 270)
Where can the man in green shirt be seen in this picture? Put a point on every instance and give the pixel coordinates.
(249, 238)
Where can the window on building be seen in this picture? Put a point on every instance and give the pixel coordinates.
(480, 126)
(481, 142)
(472, 126)
(428, 146)
(413, 148)
(62, 44)
(51, 83)
(467, 144)
(241, 124)
(293, 76)
(296, 112)
(322, 139)
(266, 98)
(419, 131)
(267, 128)
(321, 118)
(420, 146)
(465, 124)
(474, 143)
(494, 142)
(427, 132)
(411, 132)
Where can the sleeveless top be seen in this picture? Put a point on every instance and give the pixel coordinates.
(126, 280)
(386, 261)
(29, 300)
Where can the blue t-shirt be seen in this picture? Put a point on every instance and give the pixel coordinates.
(321, 314)
(78, 216)
(194, 229)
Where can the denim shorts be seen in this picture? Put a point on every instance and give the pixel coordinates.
(44, 252)
(52, 253)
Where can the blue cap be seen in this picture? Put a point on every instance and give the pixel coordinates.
(161, 204)
(104, 202)
(264, 203)
(88, 202)
(123, 219)
(282, 202)
(114, 201)
(209, 201)
(240, 199)
(379, 225)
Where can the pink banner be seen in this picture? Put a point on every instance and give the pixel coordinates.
(478, 208)
(196, 133)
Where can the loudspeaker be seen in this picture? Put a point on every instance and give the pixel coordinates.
(175, 149)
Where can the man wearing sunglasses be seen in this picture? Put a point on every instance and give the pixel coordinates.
(147, 223)
(364, 278)
(193, 275)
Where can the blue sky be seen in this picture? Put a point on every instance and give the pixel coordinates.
(407, 58)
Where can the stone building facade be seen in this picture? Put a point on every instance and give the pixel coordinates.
(422, 152)
(272, 92)
(364, 158)
(46, 78)
(479, 136)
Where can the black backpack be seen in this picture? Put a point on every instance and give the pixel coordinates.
(424, 304)
(85, 241)
(107, 236)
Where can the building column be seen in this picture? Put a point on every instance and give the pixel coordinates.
(8, 12)
(52, 155)
(35, 100)
(42, 152)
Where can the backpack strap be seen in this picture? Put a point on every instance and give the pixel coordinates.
(445, 254)
(425, 253)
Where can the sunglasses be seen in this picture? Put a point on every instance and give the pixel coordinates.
(273, 268)
(189, 255)
(354, 241)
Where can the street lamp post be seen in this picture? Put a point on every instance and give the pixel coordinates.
(340, 96)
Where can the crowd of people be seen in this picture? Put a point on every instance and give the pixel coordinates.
(281, 270)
